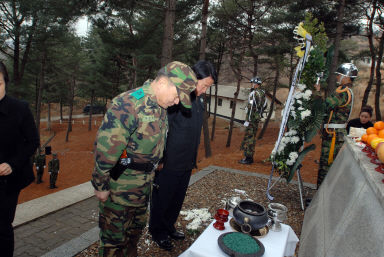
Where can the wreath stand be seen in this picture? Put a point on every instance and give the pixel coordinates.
(299, 69)
(299, 184)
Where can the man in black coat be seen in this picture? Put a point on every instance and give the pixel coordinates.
(18, 142)
(171, 182)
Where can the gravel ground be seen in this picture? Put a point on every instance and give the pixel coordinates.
(211, 192)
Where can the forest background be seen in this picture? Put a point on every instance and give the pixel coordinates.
(128, 41)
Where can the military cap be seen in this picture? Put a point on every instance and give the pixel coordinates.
(183, 77)
(54, 154)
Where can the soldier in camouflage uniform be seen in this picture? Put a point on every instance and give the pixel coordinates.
(255, 108)
(40, 166)
(137, 123)
(53, 169)
(341, 105)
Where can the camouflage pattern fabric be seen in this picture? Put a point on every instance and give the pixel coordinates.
(139, 125)
(325, 146)
(183, 77)
(340, 116)
(249, 141)
(120, 229)
(53, 169)
(40, 163)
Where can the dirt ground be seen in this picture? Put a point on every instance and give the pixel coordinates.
(76, 158)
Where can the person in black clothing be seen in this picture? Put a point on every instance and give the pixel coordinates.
(18, 142)
(364, 120)
(171, 182)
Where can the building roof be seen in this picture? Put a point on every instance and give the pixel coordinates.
(229, 92)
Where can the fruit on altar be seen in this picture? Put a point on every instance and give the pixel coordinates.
(364, 138)
(380, 144)
(381, 133)
(379, 125)
(380, 153)
(371, 137)
(371, 130)
(375, 141)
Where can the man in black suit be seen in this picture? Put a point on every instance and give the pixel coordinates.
(18, 142)
(171, 182)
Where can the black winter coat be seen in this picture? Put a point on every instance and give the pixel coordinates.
(183, 135)
(18, 142)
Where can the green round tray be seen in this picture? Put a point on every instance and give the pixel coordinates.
(233, 253)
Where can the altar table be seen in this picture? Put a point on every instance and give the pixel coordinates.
(277, 244)
(345, 217)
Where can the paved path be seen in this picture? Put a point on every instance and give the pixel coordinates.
(70, 226)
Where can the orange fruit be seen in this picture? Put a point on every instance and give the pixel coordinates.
(364, 138)
(371, 137)
(379, 125)
(371, 130)
(381, 133)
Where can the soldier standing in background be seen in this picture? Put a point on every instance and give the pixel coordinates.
(255, 108)
(338, 107)
(132, 137)
(53, 169)
(40, 166)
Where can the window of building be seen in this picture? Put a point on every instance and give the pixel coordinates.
(231, 105)
(220, 102)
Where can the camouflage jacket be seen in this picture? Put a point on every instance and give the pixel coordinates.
(54, 165)
(40, 160)
(134, 122)
(334, 102)
(256, 105)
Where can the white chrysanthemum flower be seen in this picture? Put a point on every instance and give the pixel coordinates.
(307, 94)
(305, 114)
(300, 108)
(299, 102)
(294, 140)
(198, 216)
(299, 95)
(301, 87)
(289, 162)
(293, 155)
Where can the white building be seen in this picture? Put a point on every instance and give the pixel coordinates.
(225, 102)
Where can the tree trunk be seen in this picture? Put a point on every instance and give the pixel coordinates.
(49, 117)
(207, 145)
(218, 66)
(373, 56)
(203, 39)
(203, 45)
(335, 59)
(169, 24)
(61, 108)
(71, 100)
(275, 84)
(378, 78)
(233, 110)
(91, 110)
(40, 92)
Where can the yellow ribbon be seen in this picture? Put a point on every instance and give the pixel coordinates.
(339, 90)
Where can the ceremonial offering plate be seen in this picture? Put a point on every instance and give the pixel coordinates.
(238, 244)
(259, 233)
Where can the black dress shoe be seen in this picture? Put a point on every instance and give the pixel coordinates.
(165, 244)
(246, 160)
(178, 235)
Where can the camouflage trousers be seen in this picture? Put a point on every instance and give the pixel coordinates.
(249, 142)
(39, 173)
(120, 228)
(325, 147)
(52, 179)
